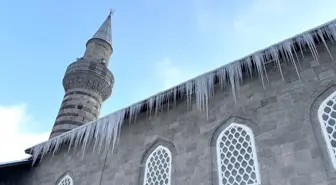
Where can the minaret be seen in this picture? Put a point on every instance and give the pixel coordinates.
(87, 83)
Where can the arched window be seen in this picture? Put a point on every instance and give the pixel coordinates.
(158, 167)
(236, 156)
(327, 119)
(66, 180)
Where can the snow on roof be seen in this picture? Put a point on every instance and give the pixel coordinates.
(106, 129)
(15, 162)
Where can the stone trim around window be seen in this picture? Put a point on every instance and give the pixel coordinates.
(252, 131)
(327, 119)
(160, 148)
(237, 161)
(320, 129)
(65, 179)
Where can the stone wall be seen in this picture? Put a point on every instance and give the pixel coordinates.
(282, 116)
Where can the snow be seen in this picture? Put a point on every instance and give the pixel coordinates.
(104, 132)
(16, 161)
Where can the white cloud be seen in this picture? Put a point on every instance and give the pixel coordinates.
(13, 141)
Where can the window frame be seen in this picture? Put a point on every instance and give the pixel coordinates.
(320, 111)
(253, 146)
(159, 144)
(319, 147)
(64, 177)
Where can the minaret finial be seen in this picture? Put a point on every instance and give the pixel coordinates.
(112, 11)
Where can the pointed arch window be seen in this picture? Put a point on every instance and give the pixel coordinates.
(66, 180)
(236, 156)
(158, 167)
(327, 119)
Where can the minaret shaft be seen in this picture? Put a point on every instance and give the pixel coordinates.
(87, 83)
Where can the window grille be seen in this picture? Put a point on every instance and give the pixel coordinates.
(158, 167)
(327, 119)
(66, 180)
(236, 156)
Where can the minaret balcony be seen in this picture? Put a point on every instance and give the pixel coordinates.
(89, 75)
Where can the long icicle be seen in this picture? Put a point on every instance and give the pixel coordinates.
(221, 74)
(235, 77)
(274, 54)
(331, 32)
(287, 48)
(320, 34)
(257, 61)
(308, 40)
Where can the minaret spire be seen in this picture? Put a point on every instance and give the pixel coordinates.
(103, 37)
(104, 32)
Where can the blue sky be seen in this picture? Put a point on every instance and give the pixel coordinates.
(156, 44)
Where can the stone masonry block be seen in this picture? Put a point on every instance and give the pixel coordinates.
(301, 145)
(301, 180)
(326, 74)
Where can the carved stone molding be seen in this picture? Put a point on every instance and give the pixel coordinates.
(88, 81)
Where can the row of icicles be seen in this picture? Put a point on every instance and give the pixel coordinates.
(104, 132)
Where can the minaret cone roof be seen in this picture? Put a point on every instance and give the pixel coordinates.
(104, 32)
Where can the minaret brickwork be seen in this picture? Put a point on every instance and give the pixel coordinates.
(87, 83)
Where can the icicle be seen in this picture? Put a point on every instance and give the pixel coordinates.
(287, 48)
(203, 91)
(296, 55)
(221, 74)
(175, 95)
(87, 137)
(308, 40)
(36, 151)
(158, 102)
(182, 90)
(248, 64)
(120, 122)
(119, 118)
(320, 34)
(199, 88)
(263, 61)
(56, 146)
(134, 111)
(235, 77)
(258, 62)
(79, 137)
(332, 31)
(274, 54)
(167, 95)
(151, 104)
(102, 132)
(45, 149)
(111, 126)
(211, 84)
(189, 91)
(72, 138)
(300, 47)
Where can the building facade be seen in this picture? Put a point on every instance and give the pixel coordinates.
(274, 124)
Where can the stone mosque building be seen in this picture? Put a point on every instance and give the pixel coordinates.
(267, 118)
